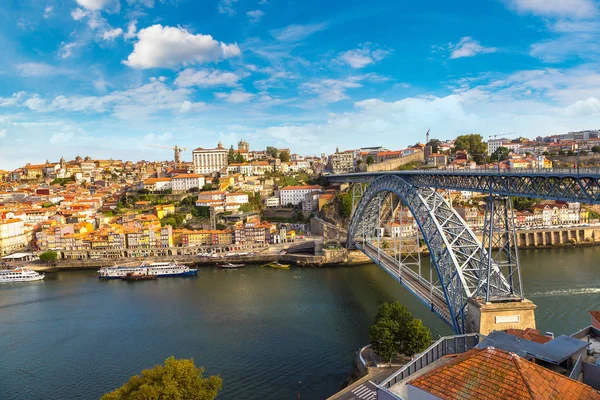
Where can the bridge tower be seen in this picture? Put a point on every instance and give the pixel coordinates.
(499, 302)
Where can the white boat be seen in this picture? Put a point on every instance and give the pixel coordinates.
(20, 275)
(155, 269)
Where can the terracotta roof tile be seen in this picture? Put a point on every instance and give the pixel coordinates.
(529, 334)
(482, 374)
(595, 315)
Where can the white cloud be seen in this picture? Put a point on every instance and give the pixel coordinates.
(131, 30)
(145, 3)
(582, 108)
(568, 46)
(468, 47)
(78, 14)
(255, 15)
(556, 8)
(235, 97)
(332, 90)
(2, 133)
(14, 100)
(154, 138)
(112, 34)
(226, 6)
(188, 106)
(95, 5)
(48, 12)
(40, 69)
(169, 47)
(360, 58)
(206, 78)
(61, 137)
(66, 50)
(36, 104)
(296, 33)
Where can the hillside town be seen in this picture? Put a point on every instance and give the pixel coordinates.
(242, 199)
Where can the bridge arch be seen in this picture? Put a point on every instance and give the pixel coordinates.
(454, 249)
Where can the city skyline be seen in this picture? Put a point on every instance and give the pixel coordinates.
(104, 77)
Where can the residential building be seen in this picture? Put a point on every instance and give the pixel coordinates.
(295, 194)
(208, 161)
(158, 184)
(437, 160)
(12, 236)
(221, 201)
(184, 182)
(272, 202)
(342, 162)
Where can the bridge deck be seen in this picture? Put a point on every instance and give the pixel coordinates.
(429, 295)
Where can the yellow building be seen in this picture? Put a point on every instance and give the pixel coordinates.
(164, 210)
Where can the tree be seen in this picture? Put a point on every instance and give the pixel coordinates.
(473, 144)
(284, 156)
(345, 205)
(383, 339)
(435, 145)
(418, 337)
(239, 158)
(48, 256)
(176, 380)
(231, 156)
(500, 154)
(523, 203)
(546, 154)
(370, 160)
(272, 151)
(596, 149)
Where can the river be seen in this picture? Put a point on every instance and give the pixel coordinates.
(270, 334)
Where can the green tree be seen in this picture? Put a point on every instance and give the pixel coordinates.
(231, 156)
(49, 256)
(345, 205)
(435, 145)
(175, 380)
(500, 154)
(239, 158)
(418, 337)
(284, 156)
(383, 339)
(523, 203)
(596, 149)
(272, 151)
(370, 160)
(474, 145)
(546, 154)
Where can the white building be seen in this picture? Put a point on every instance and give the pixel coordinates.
(272, 202)
(295, 194)
(207, 161)
(221, 201)
(158, 184)
(184, 182)
(12, 236)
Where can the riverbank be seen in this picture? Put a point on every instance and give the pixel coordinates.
(335, 257)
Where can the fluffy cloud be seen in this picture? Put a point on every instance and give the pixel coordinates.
(61, 137)
(235, 97)
(48, 12)
(40, 69)
(334, 90)
(206, 78)
(360, 58)
(556, 8)
(95, 5)
(66, 50)
(168, 47)
(468, 47)
(296, 33)
(131, 30)
(112, 34)
(255, 16)
(14, 100)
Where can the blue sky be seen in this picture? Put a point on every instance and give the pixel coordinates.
(106, 77)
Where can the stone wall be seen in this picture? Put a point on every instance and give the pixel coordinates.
(393, 164)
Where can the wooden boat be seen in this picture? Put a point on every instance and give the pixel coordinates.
(276, 264)
(230, 266)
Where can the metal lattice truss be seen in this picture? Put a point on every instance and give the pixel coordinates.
(454, 249)
(583, 187)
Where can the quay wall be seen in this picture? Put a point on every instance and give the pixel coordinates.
(556, 237)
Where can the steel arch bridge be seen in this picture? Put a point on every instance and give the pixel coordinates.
(461, 266)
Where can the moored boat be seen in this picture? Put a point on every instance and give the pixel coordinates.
(138, 277)
(163, 269)
(277, 265)
(230, 266)
(20, 274)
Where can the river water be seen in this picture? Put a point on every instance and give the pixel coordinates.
(270, 334)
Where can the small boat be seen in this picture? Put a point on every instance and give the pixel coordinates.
(20, 274)
(131, 276)
(230, 266)
(276, 264)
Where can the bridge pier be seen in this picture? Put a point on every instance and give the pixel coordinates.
(485, 317)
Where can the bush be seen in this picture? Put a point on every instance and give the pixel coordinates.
(177, 379)
(49, 256)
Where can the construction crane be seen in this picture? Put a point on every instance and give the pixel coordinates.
(177, 152)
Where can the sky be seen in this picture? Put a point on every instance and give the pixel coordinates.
(108, 78)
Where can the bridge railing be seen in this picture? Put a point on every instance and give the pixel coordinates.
(518, 171)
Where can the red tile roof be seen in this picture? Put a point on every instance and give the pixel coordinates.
(529, 334)
(595, 315)
(482, 374)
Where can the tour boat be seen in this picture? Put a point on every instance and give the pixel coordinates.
(161, 269)
(275, 264)
(138, 277)
(20, 275)
(230, 265)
